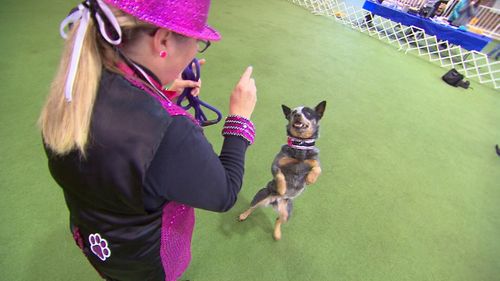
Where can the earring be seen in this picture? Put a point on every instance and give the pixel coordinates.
(163, 54)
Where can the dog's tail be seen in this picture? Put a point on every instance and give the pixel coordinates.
(261, 195)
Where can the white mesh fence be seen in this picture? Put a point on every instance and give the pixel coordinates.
(472, 64)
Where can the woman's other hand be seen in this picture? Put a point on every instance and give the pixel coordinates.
(244, 96)
(179, 84)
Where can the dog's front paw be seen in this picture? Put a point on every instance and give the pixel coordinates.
(313, 175)
(311, 178)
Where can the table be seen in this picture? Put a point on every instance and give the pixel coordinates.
(467, 40)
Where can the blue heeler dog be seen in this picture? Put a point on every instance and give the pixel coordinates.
(294, 167)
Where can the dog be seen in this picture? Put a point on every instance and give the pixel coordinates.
(295, 166)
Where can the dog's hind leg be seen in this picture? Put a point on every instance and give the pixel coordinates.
(279, 177)
(261, 199)
(280, 183)
(284, 206)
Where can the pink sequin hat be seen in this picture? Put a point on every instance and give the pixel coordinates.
(186, 17)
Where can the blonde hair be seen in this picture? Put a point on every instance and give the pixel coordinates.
(65, 125)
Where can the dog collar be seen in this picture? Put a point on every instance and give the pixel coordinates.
(304, 144)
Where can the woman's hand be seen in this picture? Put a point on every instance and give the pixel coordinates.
(179, 84)
(244, 96)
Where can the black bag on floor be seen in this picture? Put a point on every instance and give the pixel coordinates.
(454, 78)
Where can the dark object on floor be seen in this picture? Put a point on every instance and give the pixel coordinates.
(454, 78)
(498, 149)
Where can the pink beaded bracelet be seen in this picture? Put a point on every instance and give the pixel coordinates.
(240, 126)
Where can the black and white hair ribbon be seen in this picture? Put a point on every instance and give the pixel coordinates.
(104, 18)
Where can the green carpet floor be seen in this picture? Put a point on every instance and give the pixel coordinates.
(410, 188)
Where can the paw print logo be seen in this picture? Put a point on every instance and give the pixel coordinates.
(99, 246)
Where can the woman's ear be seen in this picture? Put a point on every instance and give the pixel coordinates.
(161, 39)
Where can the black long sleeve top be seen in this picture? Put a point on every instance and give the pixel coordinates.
(186, 169)
(174, 160)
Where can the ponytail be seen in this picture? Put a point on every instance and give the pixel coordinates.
(65, 125)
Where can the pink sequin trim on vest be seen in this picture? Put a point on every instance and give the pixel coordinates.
(177, 219)
(176, 233)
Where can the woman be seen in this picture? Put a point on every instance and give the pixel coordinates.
(464, 12)
(131, 163)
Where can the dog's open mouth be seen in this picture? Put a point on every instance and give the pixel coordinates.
(300, 125)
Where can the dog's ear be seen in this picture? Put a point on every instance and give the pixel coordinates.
(320, 109)
(286, 110)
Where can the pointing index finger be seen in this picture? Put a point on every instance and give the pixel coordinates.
(247, 74)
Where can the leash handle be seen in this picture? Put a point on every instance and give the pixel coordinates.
(195, 102)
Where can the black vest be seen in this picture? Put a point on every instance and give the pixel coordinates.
(104, 189)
